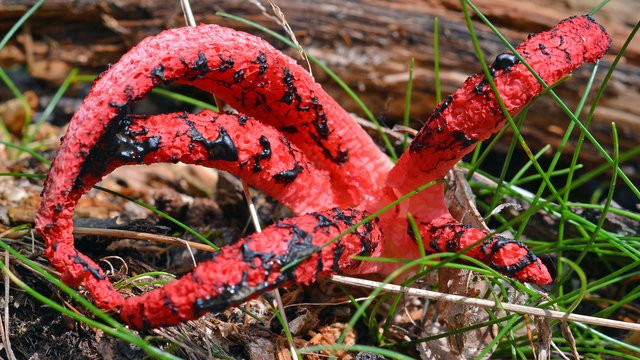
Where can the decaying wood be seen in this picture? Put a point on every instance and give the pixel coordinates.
(369, 43)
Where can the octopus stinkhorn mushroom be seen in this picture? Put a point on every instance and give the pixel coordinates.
(295, 143)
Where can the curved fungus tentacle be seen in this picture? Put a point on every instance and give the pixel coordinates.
(240, 145)
(252, 266)
(507, 256)
(473, 114)
(303, 149)
(249, 74)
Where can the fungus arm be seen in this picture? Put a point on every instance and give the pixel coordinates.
(507, 256)
(472, 113)
(252, 266)
(241, 145)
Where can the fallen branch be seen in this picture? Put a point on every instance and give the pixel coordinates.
(488, 304)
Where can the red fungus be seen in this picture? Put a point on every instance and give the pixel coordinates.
(344, 167)
(238, 144)
(226, 280)
(472, 114)
(249, 74)
(507, 256)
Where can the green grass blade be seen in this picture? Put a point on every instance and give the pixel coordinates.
(184, 99)
(407, 104)
(18, 95)
(162, 214)
(19, 23)
(25, 149)
(436, 59)
(28, 139)
(356, 348)
(110, 326)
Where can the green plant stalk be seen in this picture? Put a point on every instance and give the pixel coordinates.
(511, 323)
(484, 324)
(407, 105)
(29, 176)
(373, 324)
(285, 329)
(586, 224)
(628, 299)
(558, 211)
(86, 78)
(151, 273)
(25, 149)
(162, 214)
(18, 94)
(582, 291)
(356, 305)
(623, 212)
(416, 233)
(112, 327)
(598, 7)
(607, 203)
(605, 249)
(19, 23)
(527, 165)
(479, 150)
(611, 340)
(480, 154)
(184, 98)
(49, 109)
(497, 197)
(436, 59)
(392, 310)
(577, 112)
(590, 353)
(632, 153)
(503, 330)
(572, 168)
(555, 173)
(599, 95)
(129, 282)
(356, 348)
(614, 278)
